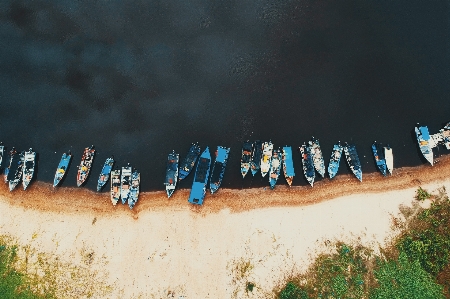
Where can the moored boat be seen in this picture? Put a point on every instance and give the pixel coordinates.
(171, 173)
(353, 160)
(308, 164)
(288, 165)
(28, 168)
(255, 163)
(2, 153)
(17, 171)
(267, 153)
(125, 181)
(275, 168)
(105, 173)
(446, 135)
(85, 165)
(317, 155)
(380, 161)
(188, 163)
(388, 155)
(198, 189)
(12, 154)
(115, 186)
(62, 168)
(423, 138)
(134, 189)
(218, 168)
(335, 159)
(246, 157)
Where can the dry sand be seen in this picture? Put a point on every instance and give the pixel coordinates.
(170, 247)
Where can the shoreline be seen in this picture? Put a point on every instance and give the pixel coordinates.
(42, 196)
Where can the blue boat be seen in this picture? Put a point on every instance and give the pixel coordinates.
(218, 168)
(188, 163)
(2, 153)
(335, 159)
(288, 165)
(378, 154)
(134, 189)
(308, 164)
(17, 171)
(316, 152)
(246, 157)
(198, 190)
(275, 168)
(104, 174)
(423, 138)
(353, 160)
(12, 153)
(62, 168)
(171, 173)
(255, 164)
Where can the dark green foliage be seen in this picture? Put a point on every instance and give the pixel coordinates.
(422, 194)
(292, 291)
(250, 286)
(404, 279)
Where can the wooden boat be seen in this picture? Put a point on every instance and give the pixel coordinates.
(62, 168)
(115, 186)
(28, 168)
(104, 174)
(134, 189)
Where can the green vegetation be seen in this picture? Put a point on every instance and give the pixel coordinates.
(415, 265)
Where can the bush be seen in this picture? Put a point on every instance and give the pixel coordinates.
(292, 291)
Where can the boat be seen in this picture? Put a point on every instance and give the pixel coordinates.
(16, 171)
(335, 159)
(104, 174)
(115, 186)
(2, 153)
(353, 160)
(28, 168)
(380, 161)
(85, 165)
(308, 163)
(218, 168)
(198, 189)
(288, 165)
(255, 163)
(134, 189)
(266, 158)
(423, 138)
(446, 135)
(171, 173)
(12, 154)
(275, 168)
(246, 157)
(125, 181)
(389, 157)
(316, 152)
(62, 168)
(188, 163)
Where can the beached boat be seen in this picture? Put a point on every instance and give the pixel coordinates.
(115, 186)
(380, 161)
(62, 168)
(171, 173)
(134, 189)
(317, 155)
(188, 163)
(446, 135)
(423, 138)
(288, 165)
(198, 189)
(104, 174)
(28, 168)
(308, 164)
(266, 158)
(353, 160)
(12, 154)
(255, 163)
(389, 157)
(246, 157)
(2, 153)
(17, 171)
(275, 168)
(335, 159)
(85, 165)
(125, 181)
(218, 168)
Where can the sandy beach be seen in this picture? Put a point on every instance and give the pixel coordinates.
(171, 249)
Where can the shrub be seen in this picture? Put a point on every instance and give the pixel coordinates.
(292, 291)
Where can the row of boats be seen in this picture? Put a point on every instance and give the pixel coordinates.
(125, 182)
(427, 142)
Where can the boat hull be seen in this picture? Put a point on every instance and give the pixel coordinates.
(246, 158)
(85, 165)
(62, 168)
(255, 163)
(171, 173)
(380, 161)
(28, 168)
(105, 173)
(198, 190)
(266, 158)
(308, 164)
(188, 163)
(17, 171)
(218, 168)
(353, 160)
(389, 156)
(275, 168)
(335, 159)
(125, 181)
(115, 186)
(316, 152)
(134, 189)
(423, 139)
(288, 165)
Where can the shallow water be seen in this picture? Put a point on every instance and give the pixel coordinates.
(140, 79)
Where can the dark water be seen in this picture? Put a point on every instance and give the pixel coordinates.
(140, 78)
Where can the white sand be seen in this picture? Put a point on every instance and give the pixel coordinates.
(193, 255)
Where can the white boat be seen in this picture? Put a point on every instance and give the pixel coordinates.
(125, 181)
(316, 152)
(389, 158)
(266, 157)
(115, 186)
(28, 168)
